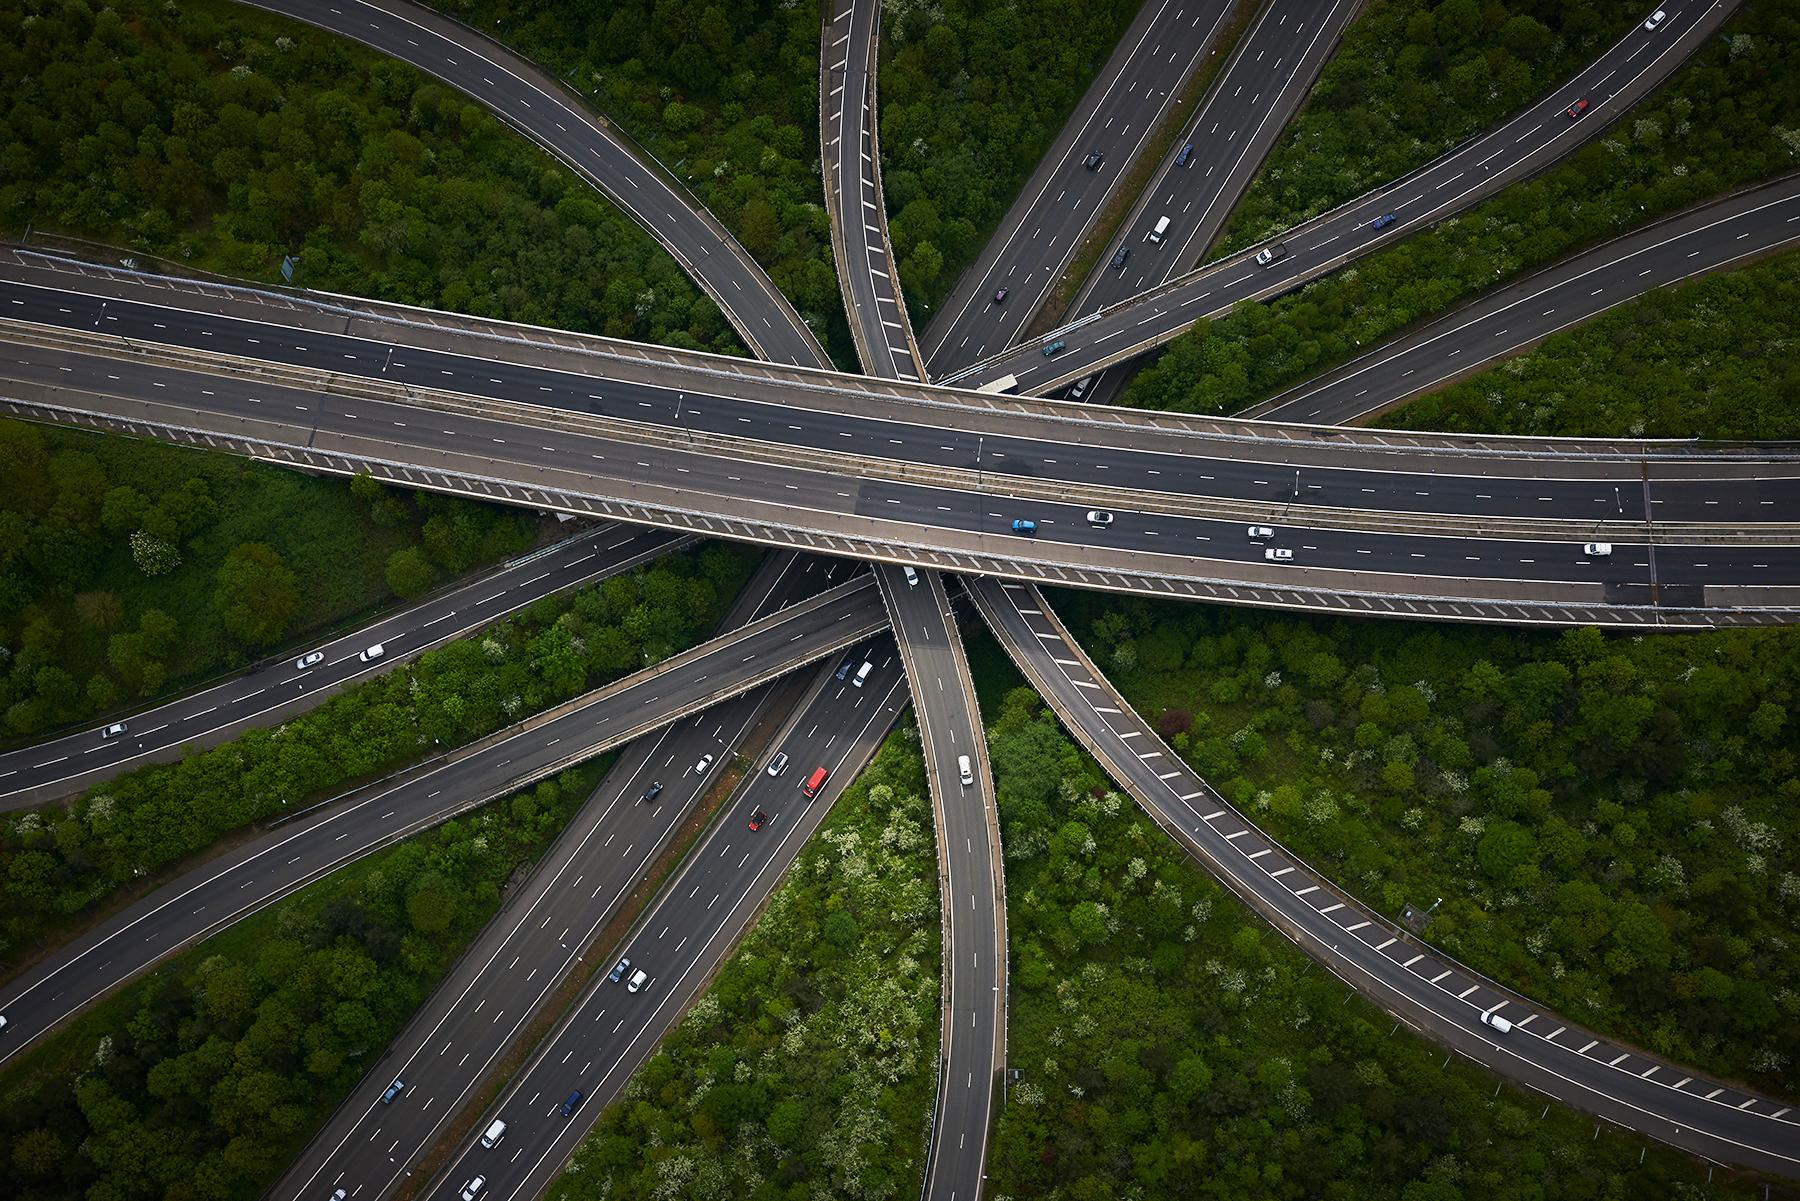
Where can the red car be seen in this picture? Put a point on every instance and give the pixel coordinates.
(1578, 109)
(758, 820)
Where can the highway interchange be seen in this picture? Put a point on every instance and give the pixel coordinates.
(1755, 494)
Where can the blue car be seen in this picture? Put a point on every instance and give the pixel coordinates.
(1383, 221)
(393, 1090)
(574, 1102)
(1022, 526)
(1055, 347)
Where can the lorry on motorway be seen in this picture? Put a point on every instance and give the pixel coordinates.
(1006, 383)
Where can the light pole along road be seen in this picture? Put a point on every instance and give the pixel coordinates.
(1469, 529)
(288, 857)
(973, 1029)
(280, 689)
(1639, 62)
(1403, 975)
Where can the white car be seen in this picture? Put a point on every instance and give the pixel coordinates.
(1656, 18)
(1597, 550)
(1099, 517)
(1496, 1021)
(700, 767)
(310, 659)
(1278, 554)
(638, 979)
(116, 730)
(473, 1187)
(1260, 533)
(778, 764)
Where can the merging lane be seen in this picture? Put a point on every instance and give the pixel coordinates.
(1531, 141)
(280, 689)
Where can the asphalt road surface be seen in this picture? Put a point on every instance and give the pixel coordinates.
(972, 892)
(1543, 563)
(541, 108)
(867, 273)
(1213, 162)
(1040, 234)
(1712, 237)
(1402, 974)
(512, 970)
(279, 689)
(292, 855)
(699, 915)
(1640, 61)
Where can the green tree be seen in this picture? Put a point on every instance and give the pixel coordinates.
(256, 594)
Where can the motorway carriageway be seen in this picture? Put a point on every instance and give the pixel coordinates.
(699, 916)
(1006, 449)
(1059, 204)
(502, 983)
(1531, 141)
(315, 843)
(279, 689)
(1519, 569)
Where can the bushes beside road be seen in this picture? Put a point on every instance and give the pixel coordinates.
(203, 1080)
(1170, 1045)
(1729, 118)
(56, 864)
(1709, 356)
(210, 133)
(127, 566)
(809, 1065)
(1610, 820)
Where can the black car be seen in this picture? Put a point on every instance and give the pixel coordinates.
(1093, 160)
(654, 791)
(1118, 260)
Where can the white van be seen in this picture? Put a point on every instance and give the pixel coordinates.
(862, 673)
(373, 653)
(1162, 227)
(495, 1132)
(912, 577)
(1496, 1021)
(968, 772)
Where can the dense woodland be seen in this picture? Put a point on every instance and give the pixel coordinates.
(1172, 1046)
(202, 1081)
(1411, 79)
(127, 567)
(1729, 117)
(210, 133)
(56, 863)
(972, 94)
(1714, 355)
(1611, 821)
(807, 1069)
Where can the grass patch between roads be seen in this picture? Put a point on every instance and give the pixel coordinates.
(203, 1080)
